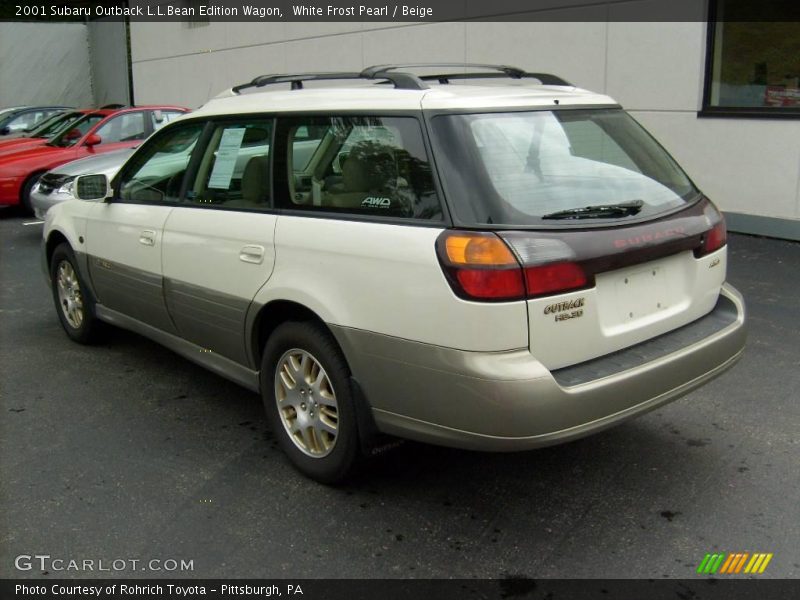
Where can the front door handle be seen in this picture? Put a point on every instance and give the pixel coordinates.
(252, 254)
(147, 237)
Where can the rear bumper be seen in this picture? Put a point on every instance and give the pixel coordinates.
(507, 401)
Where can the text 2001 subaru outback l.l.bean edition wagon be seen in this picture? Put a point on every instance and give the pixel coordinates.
(495, 267)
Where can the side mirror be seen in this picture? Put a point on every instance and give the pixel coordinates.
(92, 187)
(5, 130)
(92, 140)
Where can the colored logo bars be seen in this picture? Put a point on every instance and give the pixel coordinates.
(734, 562)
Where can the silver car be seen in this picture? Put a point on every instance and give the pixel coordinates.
(56, 186)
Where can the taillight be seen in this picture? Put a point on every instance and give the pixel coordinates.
(714, 239)
(556, 277)
(481, 266)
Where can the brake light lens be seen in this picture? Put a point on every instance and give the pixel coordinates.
(555, 277)
(490, 284)
(480, 266)
(715, 239)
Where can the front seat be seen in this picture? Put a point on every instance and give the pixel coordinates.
(255, 181)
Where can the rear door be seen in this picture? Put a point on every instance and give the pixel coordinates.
(218, 245)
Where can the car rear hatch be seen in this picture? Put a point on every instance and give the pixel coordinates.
(629, 284)
(612, 244)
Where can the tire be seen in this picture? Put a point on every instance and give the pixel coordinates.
(314, 392)
(25, 194)
(74, 303)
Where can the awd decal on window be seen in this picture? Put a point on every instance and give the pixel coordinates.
(376, 202)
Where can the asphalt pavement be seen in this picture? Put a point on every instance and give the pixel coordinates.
(125, 451)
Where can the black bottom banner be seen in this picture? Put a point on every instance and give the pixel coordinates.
(403, 589)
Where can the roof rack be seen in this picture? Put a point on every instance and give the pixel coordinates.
(403, 80)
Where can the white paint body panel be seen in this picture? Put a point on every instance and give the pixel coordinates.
(114, 230)
(203, 247)
(386, 279)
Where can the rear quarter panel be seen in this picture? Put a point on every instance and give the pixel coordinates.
(386, 279)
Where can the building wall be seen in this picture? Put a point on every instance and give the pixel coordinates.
(109, 61)
(655, 70)
(44, 63)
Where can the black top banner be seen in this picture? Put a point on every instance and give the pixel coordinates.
(410, 11)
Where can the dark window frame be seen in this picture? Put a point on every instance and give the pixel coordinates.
(280, 182)
(748, 112)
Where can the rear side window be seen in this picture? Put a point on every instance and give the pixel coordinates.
(372, 166)
(160, 118)
(127, 127)
(234, 170)
(523, 168)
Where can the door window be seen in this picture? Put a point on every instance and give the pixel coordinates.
(155, 174)
(127, 127)
(234, 171)
(371, 166)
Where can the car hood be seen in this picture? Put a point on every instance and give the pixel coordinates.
(35, 154)
(17, 144)
(104, 164)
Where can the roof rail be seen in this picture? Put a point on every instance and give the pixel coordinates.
(401, 79)
(405, 81)
(444, 78)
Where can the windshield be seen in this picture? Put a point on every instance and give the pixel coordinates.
(54, 125)
(69, 134)
(522, 168)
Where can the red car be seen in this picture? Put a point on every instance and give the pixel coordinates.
(97, 132)
(44, 132)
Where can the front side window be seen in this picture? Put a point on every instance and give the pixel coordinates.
(70, 133)
(234, 170)
(753, 67)
(523, 168)
(128, 127)
(54, 124)
(155, 174)
(371, 166)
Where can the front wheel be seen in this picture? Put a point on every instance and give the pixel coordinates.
(73, 303)
(305, 385)
(25, 194)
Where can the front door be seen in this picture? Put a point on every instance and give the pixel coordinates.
(124, 237)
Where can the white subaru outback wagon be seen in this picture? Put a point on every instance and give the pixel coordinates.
(487, 259)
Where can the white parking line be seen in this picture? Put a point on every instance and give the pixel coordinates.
(34, 223)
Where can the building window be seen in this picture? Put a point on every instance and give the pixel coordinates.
(753, 60)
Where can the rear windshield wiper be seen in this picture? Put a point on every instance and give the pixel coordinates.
(601, 211)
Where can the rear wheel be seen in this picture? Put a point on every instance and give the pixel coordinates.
(74, 305)
(307, 395)
(25, 194)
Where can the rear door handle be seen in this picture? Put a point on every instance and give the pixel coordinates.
(252, 254)
(147, 237)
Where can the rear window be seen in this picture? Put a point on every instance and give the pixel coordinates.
(522, 168)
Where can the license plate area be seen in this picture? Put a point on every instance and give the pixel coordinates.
(641, 293)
